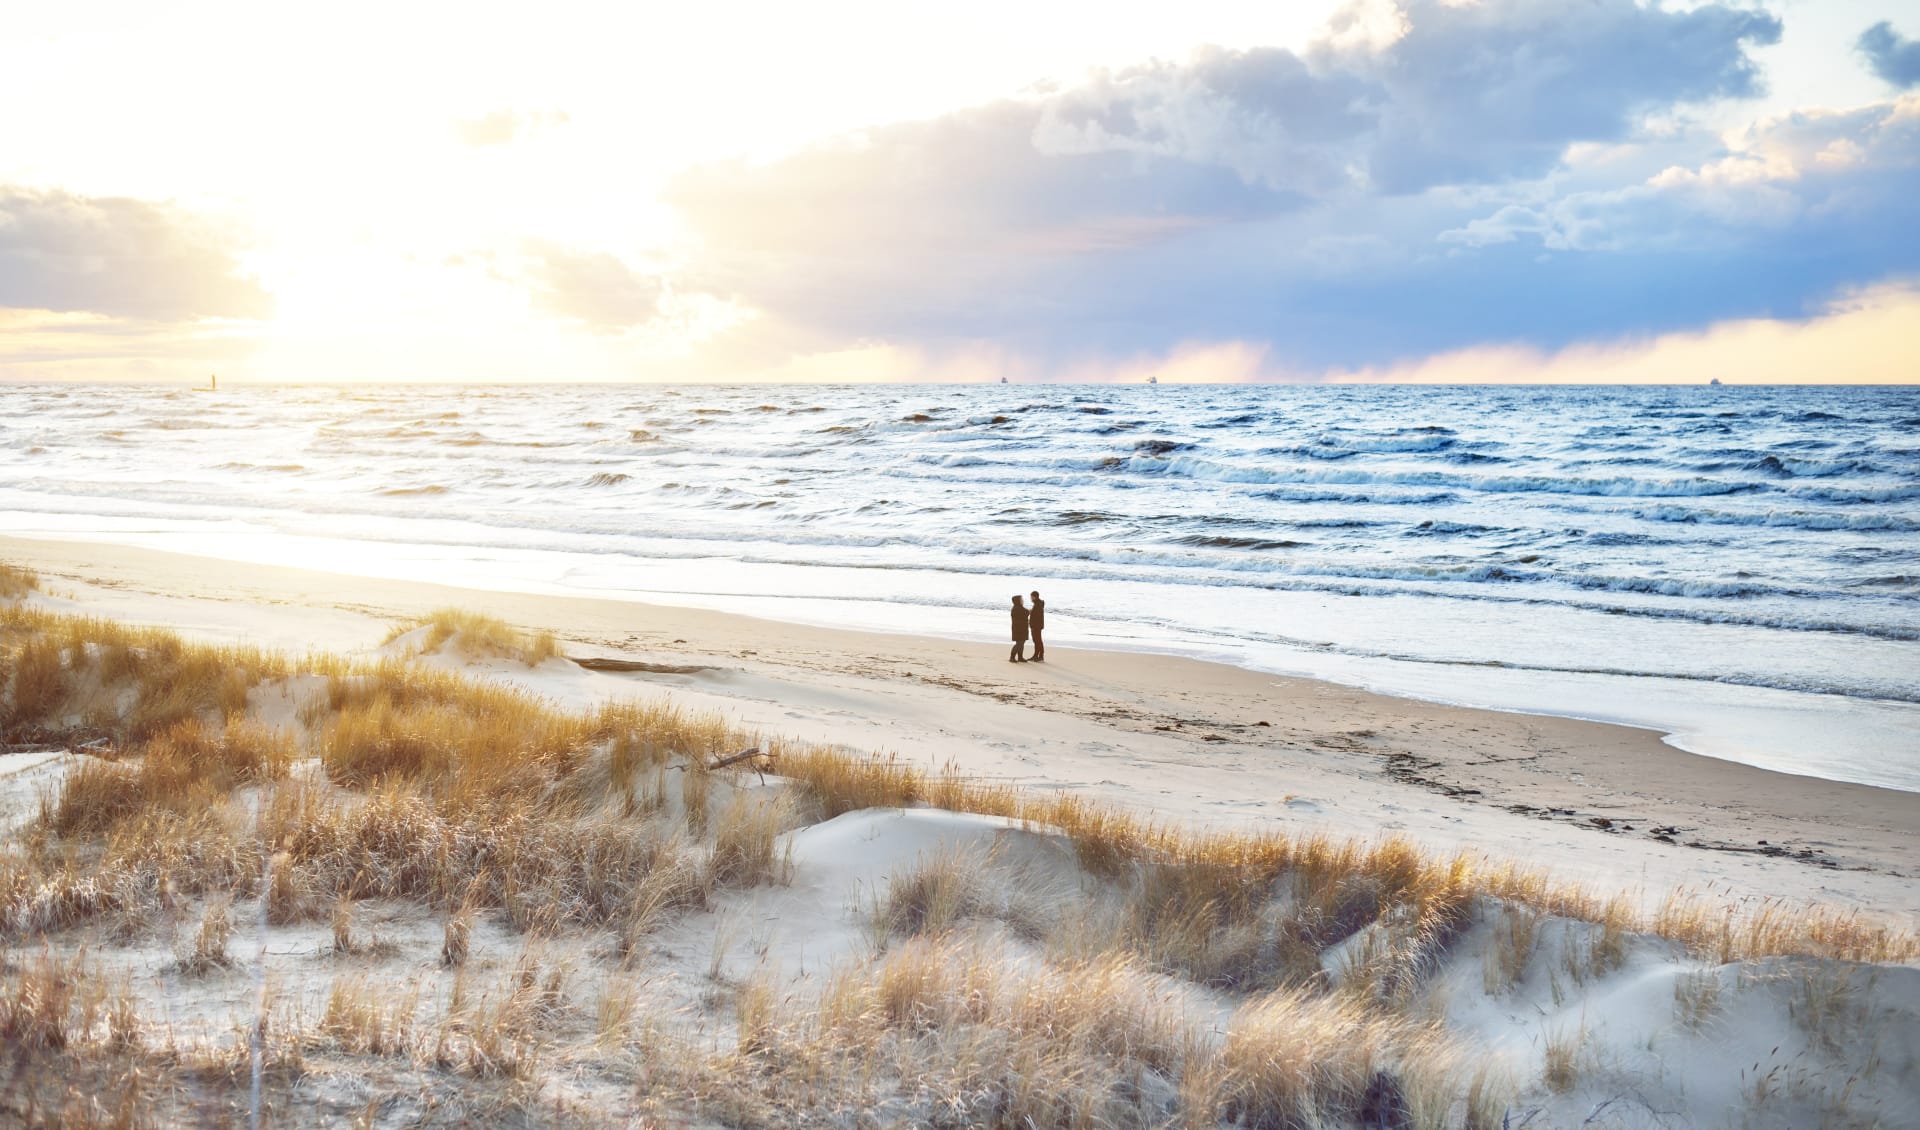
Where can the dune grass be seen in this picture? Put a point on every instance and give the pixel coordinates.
(471, 798)
(17, 581)
(438, 756)
(479, 636)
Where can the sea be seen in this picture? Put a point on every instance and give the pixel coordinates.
(1736, 567)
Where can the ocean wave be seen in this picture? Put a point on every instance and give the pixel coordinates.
(1196, 467)
(1614, 538)
(1787, 467)
(479, 439)
(1787, 519)
(1435, 528)
(183, 424)
(1889, 581)
(607, 479)
(1693, 587)
(411, 492)
(1309, 495)
(1217, 541)
(1422, 440)
(1858, 493)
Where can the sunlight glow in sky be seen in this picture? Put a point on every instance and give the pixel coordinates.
(1420, 189)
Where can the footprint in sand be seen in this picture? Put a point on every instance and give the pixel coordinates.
(1302, 804)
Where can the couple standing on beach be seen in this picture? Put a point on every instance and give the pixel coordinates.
(1028, 620)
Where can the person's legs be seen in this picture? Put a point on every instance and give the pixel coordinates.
(1014, 656)
(1039, 649)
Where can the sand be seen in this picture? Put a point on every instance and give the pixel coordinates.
(1652, 1036)
(1192, 741)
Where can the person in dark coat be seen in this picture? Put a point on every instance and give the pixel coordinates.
(1036, 621)
(1019, 632)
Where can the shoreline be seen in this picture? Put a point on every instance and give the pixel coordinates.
(1190, 740)
(1799, 731)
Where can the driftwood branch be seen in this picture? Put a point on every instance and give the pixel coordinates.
(737, 757)
(593, 664)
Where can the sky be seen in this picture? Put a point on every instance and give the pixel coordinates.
(1369, 190)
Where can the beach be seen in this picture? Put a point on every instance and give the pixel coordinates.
(474, 856)
(1187, 741)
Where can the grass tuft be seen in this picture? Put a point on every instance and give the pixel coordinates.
(477, 635)
(209, 950)
(17, 581)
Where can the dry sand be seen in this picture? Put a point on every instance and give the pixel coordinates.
(1196, 742)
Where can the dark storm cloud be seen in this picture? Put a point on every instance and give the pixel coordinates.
(591, 287)
(119, 257)
(1892, 56)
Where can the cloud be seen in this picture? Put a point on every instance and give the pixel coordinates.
(1864, 337)
(503, 127)
(591, 287)
(1482, 92)
(1892, 56)
(1208, 197)
(888, 362)
(1815, 175)
(119, 257)
(1453, 94)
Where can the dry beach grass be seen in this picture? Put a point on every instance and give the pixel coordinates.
(502, 909)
